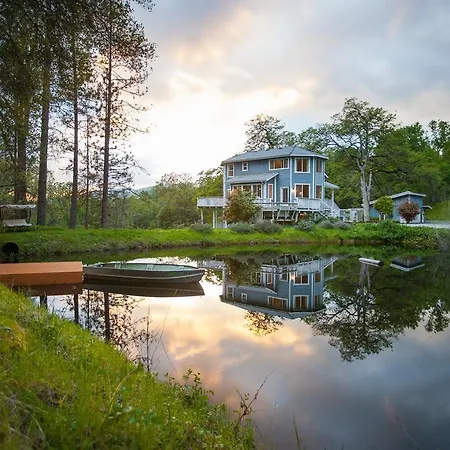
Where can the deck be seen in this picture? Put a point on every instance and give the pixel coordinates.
(39, 274)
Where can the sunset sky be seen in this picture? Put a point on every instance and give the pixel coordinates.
(220, 62)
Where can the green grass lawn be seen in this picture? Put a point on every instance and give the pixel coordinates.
(44, 241)
(439, 211)
(62, 388)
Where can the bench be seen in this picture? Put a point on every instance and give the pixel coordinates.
(16, 223)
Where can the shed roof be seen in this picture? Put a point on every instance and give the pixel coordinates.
(253, 178)
(401, 194)
(293, 150)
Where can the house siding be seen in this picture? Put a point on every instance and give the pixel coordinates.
(283, 177)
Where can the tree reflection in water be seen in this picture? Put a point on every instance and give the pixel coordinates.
(364, 314)
(261, 324)
(109, 316)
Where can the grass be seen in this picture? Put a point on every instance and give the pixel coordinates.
(45, 241)
(60, 387)
(439, 211)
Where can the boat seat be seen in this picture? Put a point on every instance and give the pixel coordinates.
(16, 223)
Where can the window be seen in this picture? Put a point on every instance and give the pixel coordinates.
(302, 190)
(319, 166)
(243, 297)
(318, 191)
(317, 301)
(230, 170)
(301, 279)
(277, 303)
(270, 191)
(229, 292)
(279, 164)
(284, 276)
(254, 189)
(317, 277)
(302, 165)
(301, 302)
(244, 166)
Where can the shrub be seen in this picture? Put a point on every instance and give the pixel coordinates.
(304, 225)
(204, 228)
(242, 227)
(268, 227)
(408, 211)
(341, 225)
(240, 207)
(384, 206)
(326, 224)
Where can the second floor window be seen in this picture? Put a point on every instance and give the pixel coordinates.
(319, 166)
(230, 170)
(279, 164)
(244, 166)
(302, 165)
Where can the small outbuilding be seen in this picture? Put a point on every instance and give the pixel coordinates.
(402, 197)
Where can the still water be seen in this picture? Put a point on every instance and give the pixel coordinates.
(349, 355)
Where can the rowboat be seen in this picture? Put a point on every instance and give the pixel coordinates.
(122, 272)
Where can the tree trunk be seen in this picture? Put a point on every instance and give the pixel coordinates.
(20, 166)
(43, 153)
(104, 216)
(74, 197)
(366, 187)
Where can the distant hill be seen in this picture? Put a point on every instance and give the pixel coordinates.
(144, 189)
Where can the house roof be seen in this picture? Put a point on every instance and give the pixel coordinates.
(331, 185)
(253, 178)
(273, 153)
(401, 194)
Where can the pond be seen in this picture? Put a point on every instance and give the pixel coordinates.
(342, 353)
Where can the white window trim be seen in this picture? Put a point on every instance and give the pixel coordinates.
(309, 166)
(281, 168)
(323, 165)
(228, 170)
(302, 275)
(298, 297)
(245, 164)
(285, 301)
(302, 184)
(281, 194)
(315, 191)
(243, 297)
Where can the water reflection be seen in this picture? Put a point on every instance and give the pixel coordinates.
(332, 370)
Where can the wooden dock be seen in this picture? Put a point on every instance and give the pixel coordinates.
(39, 274)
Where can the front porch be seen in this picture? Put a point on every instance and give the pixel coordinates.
(283, 212)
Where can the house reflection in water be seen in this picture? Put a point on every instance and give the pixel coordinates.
(284, 287)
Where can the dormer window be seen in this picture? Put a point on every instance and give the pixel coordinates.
(230, 170)
(244, 166)
(275, 164)
(302, 165)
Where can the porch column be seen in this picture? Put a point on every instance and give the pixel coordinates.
(214, 212)
(201, 216)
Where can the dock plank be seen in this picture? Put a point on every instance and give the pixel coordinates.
(45, 273)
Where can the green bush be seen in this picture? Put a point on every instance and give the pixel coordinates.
(242, 227)
(341, 225)
(204, 228)
(268, 227)
(304, 225)
(327, 224)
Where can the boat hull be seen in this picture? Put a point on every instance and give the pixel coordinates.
(122, 275)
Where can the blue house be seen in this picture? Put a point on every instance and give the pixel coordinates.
(398, 199)
(286, 182)
(290, 291)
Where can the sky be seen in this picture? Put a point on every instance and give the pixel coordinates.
(220, 62)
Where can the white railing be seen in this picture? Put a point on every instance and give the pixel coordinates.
(210, 202)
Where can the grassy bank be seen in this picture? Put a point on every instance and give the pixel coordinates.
(44, 241)
(62, 388)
